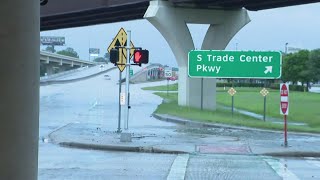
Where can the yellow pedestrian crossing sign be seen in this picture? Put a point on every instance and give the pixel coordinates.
(121, 40)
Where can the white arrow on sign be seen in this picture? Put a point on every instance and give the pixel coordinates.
(268, 69)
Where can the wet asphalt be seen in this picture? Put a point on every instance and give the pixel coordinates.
(94, 101)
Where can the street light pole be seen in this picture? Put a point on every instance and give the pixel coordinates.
(286, 48)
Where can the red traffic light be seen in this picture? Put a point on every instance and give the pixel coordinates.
(141, 56)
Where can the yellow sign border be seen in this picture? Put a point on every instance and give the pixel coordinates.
(122, 51)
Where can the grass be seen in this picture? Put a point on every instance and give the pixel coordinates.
(304, 106)
(220, 116)
(171, 87)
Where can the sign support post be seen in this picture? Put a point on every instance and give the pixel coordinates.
(126, 127)
(264, 92)
(284, 108)
(285, 131)
(119, 115)
(232, 101)
(264, 107)
(232, 104)
(232, 92)
(264, 102)
(167, 87)
(201, 93)
(168, 75)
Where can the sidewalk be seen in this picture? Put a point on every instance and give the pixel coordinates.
(189, 138)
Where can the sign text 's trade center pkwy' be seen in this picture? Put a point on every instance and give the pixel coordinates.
(234, 64)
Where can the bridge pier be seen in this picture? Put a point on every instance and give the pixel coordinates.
(172, 21)
(49, 69)
(19, 92)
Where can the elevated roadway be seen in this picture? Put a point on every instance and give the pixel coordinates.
(54, 63)
(46, 57)
(57, 14)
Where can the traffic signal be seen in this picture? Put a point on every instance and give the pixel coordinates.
(141, 56)
(114, 56)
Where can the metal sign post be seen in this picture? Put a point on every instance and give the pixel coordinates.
(126, 127)
(119, 115)
(167, 87)
(284, 108)
(125, 53)
(232, 92)
(168, 75)
(264, 92)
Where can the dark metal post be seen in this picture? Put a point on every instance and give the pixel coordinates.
(201, 93)
(285, 131)
(232, 101)
(119, 115)
(264, 102)
(232, 104)
(264, 108)
(167, 86)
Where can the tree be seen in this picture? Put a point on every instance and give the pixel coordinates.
(50, 49)
(314, 64)
(289, 70)
(107, 57)
(69, 52)
(99, 59)
(295, 68)
(304, 75)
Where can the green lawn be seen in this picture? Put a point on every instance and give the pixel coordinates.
(171, 87)
(220, 116)
(304, 106)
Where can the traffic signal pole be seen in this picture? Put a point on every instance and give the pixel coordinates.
(119, 115)
(126, 126)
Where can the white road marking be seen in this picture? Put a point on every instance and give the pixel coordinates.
(313, 161)
(94, 104)
(281, 169)
(178, 167)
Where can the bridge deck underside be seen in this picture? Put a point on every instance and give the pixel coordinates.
(59, 14)
(252, 5)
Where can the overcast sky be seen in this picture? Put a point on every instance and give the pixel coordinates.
(268, 30)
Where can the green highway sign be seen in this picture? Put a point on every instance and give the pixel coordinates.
(234, 64)
(131, 72)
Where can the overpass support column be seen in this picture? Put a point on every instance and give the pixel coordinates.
(19, 92)
(49, 69)
(172, 21)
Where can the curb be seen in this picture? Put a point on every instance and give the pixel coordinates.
(143, 149)
(191, 123)
(293, 154)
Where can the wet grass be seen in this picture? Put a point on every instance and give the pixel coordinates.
(220, 116)
(171, 87)
(304, 106)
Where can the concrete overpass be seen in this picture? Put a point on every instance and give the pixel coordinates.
(19, 72)
(59, 14)
(51, 61)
